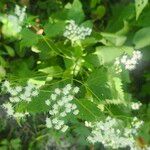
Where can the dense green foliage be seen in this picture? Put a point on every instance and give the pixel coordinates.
(36, 49)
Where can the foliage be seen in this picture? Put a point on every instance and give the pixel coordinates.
(56, 43)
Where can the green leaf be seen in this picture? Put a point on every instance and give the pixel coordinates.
(88, 110)
(20, 71)
(119, 111)
(29, 38)
(10, 50)
(52, 71)
(142, 38)
(110, 39)
(37, 105)
(54, 29)
(98, 84)
(87, 23)
(120, 13)
(2, 72)
(139, 6)
(107, 54)
(117, 88)
(75, 12)
(93, 3)
(99, 12)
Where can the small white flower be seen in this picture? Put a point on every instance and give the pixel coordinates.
(64, 99)
(63, 114)
(55, 107)
(69, 87)
(68, 105)
(28, 99)
(133, 61)
(60, 103)
(64, 129)
(6, 84)
(9, 109)
(14, 99)
(47, 102)
(18, 88)
(67, 110)
(88, 124)
(29, 86)
(129, 65)
(70, 97)
(61, 122)
(51, 112)
(76, 112)
(53, 96)
(55, 121)
(48, 123)
(23, 97)
(117, 61)
(136, 106)
(35, 93)
(137, 55)
(57, 91)
(76, 90)
(19, 115)
(74, 106)
(65, 91)
(27, 93)
(124, 59)
(57, 127)
(13, 92)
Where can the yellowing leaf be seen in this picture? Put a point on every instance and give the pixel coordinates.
(139, 6)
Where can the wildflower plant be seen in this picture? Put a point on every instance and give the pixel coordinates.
(103, 57)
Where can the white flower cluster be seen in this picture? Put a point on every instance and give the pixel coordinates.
(61, 105)
(20, 13)
(12, 24)
(76, 33)
(108, 133)
(136, 106)
(129, 63)
(18, 94)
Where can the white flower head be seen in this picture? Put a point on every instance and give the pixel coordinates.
(107, 132)
(62, 105)
(76, 33)
(136, 106)
(128, 62)
(47, 102)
